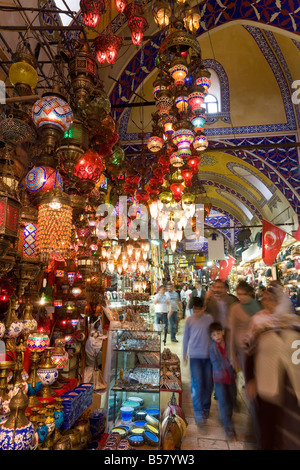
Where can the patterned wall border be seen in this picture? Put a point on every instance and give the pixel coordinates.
(279, 165)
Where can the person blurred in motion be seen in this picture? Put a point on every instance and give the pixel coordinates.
(218, 301)
(188, 309)
(272, 372)
(183, 298)
(196, 343)
(175, 309)
(162, 306)
(224, 377)
(240, 314)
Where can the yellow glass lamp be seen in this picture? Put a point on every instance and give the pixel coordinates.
(161, 12)
(22, 73)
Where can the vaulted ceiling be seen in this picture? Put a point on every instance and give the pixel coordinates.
(251, 168)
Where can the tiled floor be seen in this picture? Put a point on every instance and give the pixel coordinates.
(212, 436)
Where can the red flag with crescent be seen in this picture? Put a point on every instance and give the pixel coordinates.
(296, 234)
(225, 267)
(272, 239)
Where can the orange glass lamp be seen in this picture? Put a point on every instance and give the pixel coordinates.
(161, 12)
(178, 71)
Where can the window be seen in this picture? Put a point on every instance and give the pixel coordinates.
(74, 5)
(211, 104)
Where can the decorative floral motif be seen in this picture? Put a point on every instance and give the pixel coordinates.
(19, 439)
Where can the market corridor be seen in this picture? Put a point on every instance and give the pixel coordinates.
(212, 437)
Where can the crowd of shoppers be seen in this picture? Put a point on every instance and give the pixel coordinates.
(255, 333)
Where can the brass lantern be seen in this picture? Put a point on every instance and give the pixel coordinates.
(162, 12)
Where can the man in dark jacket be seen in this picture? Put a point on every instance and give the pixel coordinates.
(199, 291)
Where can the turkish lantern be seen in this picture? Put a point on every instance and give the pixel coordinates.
(88, 170)
(42, 179)
(92, 10)
(54, 224)
(177, 189)
(193, 162)
(137, 26)
(187, 174)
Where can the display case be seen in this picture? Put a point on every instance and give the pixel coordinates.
(134, 382)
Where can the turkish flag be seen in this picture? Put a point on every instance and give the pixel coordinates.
(272, 238)
(225, 267)
(297, 234)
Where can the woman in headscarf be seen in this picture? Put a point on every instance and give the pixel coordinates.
(272, 377)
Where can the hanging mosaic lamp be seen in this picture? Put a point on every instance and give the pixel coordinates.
(53, 117)
(160, 84)
(176, 160)
(54, 225)
(155, 143)
(196, 98)
(183, 138)
(168, 121)
(182, 101)
(88, 170)
(42, 179)
(178, 71)
(204, 80)
(164, 102)
(200, 142)
(52, 111)
(198, 120)
(92, 10)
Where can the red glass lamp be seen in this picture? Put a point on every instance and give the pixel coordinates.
(196, 98)
(92, 10)
(137, 26)
(187, 174)
(120, 4)
(107, 48)
(177, 189)
(193, 162)
(88, 170)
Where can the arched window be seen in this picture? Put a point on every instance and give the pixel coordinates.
(212, 102)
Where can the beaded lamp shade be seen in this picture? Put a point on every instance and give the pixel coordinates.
(200, 142)
(52, 110)
(16, 131)
(54, 225)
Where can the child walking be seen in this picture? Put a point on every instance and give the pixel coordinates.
(196, 343)
(224, 377)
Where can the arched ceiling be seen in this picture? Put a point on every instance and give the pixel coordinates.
(251, 168)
